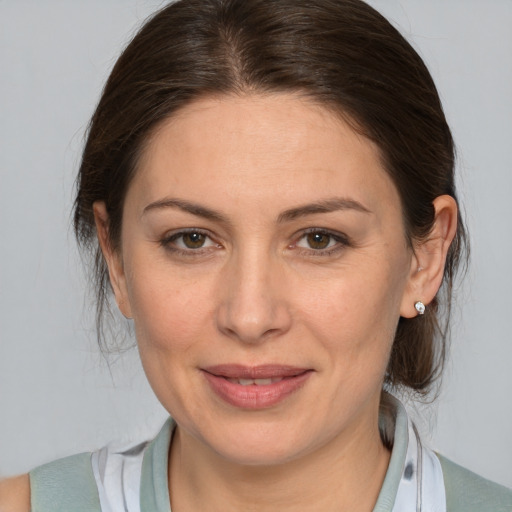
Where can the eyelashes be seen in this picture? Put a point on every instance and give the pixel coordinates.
(321, 242)
(314, 242)
(189, 242)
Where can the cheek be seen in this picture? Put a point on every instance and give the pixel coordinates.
(354, 299)
(169, 312)
(172, 329)
(355, 315)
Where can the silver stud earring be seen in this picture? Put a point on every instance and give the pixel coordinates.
(420, 307)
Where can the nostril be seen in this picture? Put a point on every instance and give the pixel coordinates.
(254, 325)
(252, 306)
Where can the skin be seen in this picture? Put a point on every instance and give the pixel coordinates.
(260, 292)
(15, 494)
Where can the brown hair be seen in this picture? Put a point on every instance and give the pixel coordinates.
(341, 53)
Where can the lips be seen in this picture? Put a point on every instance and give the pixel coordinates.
(255, 387)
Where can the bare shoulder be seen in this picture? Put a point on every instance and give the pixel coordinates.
(15, 494)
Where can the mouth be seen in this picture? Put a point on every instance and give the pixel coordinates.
(255, 387)
(256, 382)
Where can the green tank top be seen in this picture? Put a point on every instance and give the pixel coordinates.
(69, 484)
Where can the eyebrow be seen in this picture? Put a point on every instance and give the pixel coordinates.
(189, 207)
(325, 206)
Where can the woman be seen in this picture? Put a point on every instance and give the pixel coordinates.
(271, 185)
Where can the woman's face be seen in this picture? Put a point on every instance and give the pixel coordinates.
(265, 266)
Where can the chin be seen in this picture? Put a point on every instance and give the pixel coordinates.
(262, 456)
(259, 444)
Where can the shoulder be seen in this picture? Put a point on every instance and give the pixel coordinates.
(15, 494)
(468, 492)
(65, 484)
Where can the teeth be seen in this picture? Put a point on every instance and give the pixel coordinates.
(257, 382)
(262, 382)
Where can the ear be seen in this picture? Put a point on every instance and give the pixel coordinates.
(112, 258)
(429, 258)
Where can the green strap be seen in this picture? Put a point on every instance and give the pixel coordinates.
(391, 482)
(66, 485)
(468, 492)
(154, 486)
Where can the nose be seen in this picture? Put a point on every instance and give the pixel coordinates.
(253, 305)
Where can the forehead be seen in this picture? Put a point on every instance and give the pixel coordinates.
(262, 146)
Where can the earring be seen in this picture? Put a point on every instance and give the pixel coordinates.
(420, 307)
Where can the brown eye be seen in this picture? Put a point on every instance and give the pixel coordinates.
(193, 240)
(321, 242)
(318, 240)
(193, 243)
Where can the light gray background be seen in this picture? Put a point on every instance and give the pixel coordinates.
(57, 397)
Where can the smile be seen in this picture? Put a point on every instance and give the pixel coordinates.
(257, 387)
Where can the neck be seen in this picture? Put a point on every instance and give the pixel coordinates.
(344, 475)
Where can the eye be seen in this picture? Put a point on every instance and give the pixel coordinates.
(317, 240)
(188, 241)
(321, 242)
(193, 240)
